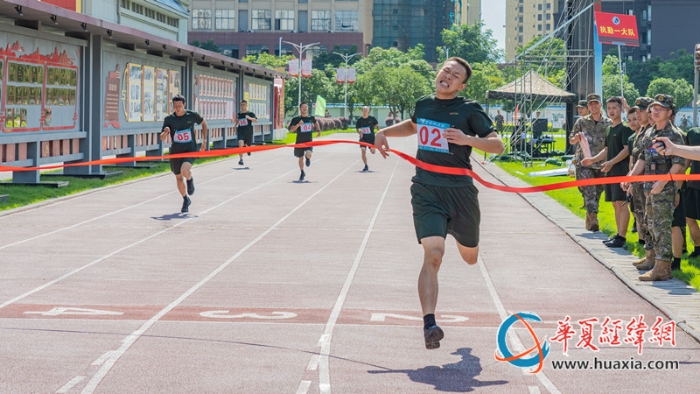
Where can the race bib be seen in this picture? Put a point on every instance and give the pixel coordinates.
(183, 136)
(243, 122)
(307, 127)
(430, 135)
(366, 130)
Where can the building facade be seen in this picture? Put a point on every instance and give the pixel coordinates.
(527, 19)
(249, 27)
(469, 11)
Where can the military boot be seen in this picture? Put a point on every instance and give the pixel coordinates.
(594, 221)
(646, 263)
(588, 221)
(661, 271)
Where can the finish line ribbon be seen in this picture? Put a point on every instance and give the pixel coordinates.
(423, 165)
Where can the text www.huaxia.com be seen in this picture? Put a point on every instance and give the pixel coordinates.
(631, 364)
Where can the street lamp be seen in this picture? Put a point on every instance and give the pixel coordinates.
(346, 58)
(301, 48)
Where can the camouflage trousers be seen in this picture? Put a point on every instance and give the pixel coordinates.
(591, 194)
(578, 175)
(659, 216)
(639, 203)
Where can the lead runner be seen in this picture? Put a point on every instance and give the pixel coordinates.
(448, 126)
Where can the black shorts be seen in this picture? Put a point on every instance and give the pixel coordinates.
(679, 214)
(613, 192)
(176, 164)
(691, 202)
(246, 136)
(439, 210)
(299, 152)
(368, 138)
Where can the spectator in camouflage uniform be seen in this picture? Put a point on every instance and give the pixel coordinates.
(582, 109)
(661, 196)
(637, 189)
(592, 127)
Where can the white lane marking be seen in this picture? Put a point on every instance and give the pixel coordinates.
(513, 338)
(325, 341)
(88, 265)
(313, 364)
(442, 319)
(533, 389)
(134, 336)
(225, 315)
(71, 383)
(104, 215)
(304, 387)
(100, 360)
(58, 311)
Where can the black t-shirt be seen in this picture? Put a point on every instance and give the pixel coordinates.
(243, 123)
(182, 131)
(693, 138)
(616, 137)
(433, 115)
(366, 125)
(305, 132)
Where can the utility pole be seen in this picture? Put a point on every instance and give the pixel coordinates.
(346, 58)
(301, 48)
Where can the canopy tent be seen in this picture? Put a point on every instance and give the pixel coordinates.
(531, 86)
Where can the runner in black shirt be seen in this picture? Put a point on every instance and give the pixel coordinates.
(304, 126)
(244, 122)
(180, 127)
(447, 127)
(365, 126)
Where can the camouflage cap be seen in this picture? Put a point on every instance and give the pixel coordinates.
(663, 100)
(643, 102)
(582, 103)
(593, 97)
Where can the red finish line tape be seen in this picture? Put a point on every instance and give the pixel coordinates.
(426, 166)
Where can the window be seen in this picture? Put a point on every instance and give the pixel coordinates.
(549, 16)
(229, 50)
(539, 17)
(520, 9)
(520, 19)
(346, 21)
(242, 20)
(256, 49)
(303, 1)
(225, 20)
(201, 19)
(320, 20)
(261, 20)
(242, 1)
(549, 26)
(284, 20)
(539, 7)
(644, 15)
(303, 21)
(549, 6)
(520, 29)
(539, 27)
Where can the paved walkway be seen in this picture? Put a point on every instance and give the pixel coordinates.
(270, 285)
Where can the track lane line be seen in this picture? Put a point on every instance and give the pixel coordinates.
(135, 335)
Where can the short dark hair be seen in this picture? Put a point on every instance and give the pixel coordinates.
(179, 97)
(464, 64)
(614, 99)
(302, 103)
(632, 110)
(244, 101)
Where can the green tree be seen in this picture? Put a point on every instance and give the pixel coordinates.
(548, 59)
(611, 81)
(471, 43)
(209, 45)
(680, 89)
(485, 76)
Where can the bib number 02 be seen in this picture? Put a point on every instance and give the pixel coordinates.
(430, 136)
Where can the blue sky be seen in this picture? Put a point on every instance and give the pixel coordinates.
(493, 13)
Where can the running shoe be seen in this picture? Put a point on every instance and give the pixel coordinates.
(190, 186)
(308, 162)
(433, 335)
(365, 169)
(303, 174)
(240, 162)
(186, 205)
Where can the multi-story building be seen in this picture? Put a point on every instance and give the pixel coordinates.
(468, 11)
(248, 27)
(163, 18)
(527, 19)
(404, 24)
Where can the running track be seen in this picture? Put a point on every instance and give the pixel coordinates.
(274, 286)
